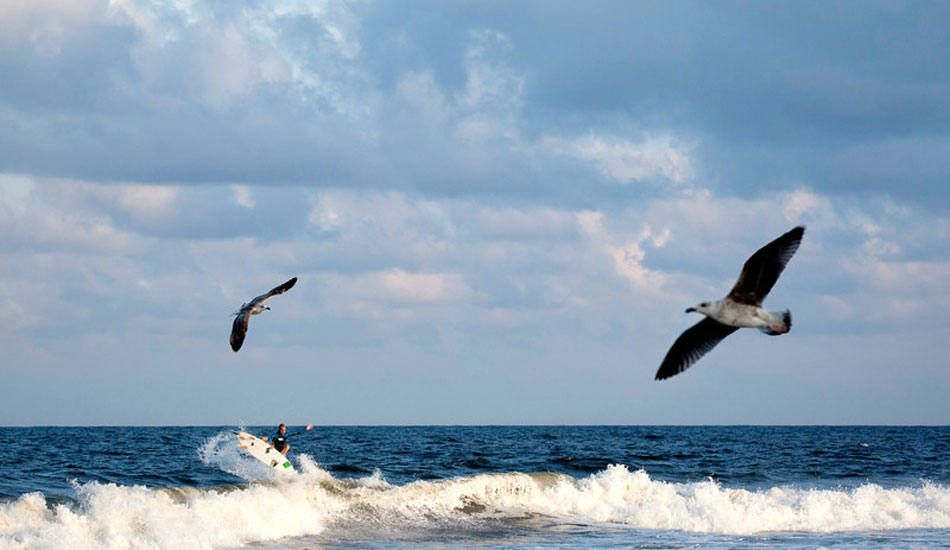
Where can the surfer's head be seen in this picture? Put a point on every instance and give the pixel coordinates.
(282, 428)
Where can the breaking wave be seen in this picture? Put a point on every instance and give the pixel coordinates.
(312, 501)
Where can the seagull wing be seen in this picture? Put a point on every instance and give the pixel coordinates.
(762, 269)
(695, 342)
(275, 291)
(239, 328)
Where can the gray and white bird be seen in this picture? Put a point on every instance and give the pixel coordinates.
(741, 308)
(254, 307)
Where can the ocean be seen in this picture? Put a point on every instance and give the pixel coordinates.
(448, 487)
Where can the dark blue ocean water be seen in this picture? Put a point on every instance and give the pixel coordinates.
(492, 486)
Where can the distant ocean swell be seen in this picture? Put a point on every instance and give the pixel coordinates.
(267, 508)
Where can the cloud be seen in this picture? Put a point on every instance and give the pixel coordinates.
(625, 161)
(15, 190)
(536, 222)
(801, 204)
(44, 25)
(898, 276)
(397, 285)
(547, 179)
(224, 55)
(141, 201)
(396, 295)
(220, 60)
(332, 93)
(47, 218)
(420, 92)
(383, 274)
(628, 257)
(375, 230)
(243, 196)
(490, 84)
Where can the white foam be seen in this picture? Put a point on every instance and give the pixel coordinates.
(117, 517)
(221, 452)
(617, 495)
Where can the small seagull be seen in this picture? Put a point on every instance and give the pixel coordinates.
(254, 307)
(742, 307)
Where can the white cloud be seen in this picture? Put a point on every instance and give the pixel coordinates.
(656, 157)
(334, 16)
(16, 316)
(146, 201)
(875, 245)
(486, 111)
(533, 275)
(801, 204)
(79, 233)
(229, 64)
(216, 61)
(627, 258)
(384, 225)
(396, 295)
(398, 285)
(904, 277)
(44, 24)
(838, 307)
(324, 213)
(489, 83)
(243, 196)
(507, 317)
(224, 55)
(15, 191)
(420, 92)
(56, 215)
(903, 307)
(527, 222)
(159, 23)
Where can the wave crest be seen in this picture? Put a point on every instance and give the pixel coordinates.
(111, 516)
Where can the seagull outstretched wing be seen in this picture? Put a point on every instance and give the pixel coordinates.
(762, 269)
(695, 342)
(239, 328)
(243, 316)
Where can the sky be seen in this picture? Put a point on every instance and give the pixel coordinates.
(497, 211)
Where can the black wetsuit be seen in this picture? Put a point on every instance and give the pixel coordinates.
(279, 441)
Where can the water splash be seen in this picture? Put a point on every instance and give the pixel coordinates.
(221, 452)
(113, 516)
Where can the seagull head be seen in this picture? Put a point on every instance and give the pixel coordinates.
(703, 307)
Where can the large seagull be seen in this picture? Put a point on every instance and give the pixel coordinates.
(742, 307)
(254, 307)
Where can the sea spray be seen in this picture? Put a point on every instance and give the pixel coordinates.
(632, 498)
(796, 487)
(619, 496)
(222, 452)
(119, 517)
(107, 516)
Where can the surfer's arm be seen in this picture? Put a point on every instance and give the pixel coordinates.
(309, 426)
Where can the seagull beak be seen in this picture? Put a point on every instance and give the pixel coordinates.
(690, 310)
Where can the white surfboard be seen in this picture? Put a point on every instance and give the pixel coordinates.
(261, 450)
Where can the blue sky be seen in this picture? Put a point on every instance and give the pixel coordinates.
(497, 211)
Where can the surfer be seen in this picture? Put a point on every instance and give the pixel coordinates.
(279, 439)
